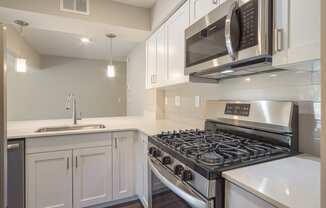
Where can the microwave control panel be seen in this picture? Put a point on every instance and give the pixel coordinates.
(249, 24)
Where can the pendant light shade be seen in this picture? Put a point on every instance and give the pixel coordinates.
(110, 69)
(21, 63)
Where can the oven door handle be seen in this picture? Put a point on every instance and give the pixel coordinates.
(177, 186)
(228, 31)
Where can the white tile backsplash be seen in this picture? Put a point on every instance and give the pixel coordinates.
(303, 88)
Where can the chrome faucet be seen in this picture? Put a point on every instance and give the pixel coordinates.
(71, 103)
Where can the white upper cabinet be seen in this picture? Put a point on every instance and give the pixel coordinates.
(123, 165)
(151, 53)
(49, 180)
(92, 176)
(175, 28)
(200, 8)
(161, 57)
(297, 32)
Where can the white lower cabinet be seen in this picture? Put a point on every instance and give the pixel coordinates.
(92, 176)
(142, 169)
(48, 180)
(123, 165)
(236, 197)
(85, 170)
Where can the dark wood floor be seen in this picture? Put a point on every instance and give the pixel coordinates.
(135, 204)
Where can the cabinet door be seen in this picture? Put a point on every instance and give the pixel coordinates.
(142, 169)
(175, 27)
(200, 8)
(145, 170)
(297, 34)
(236, 197)
(92, 176)
(281, 8)
(151, 55)
(49, 180)
(161, 49)
(123, 165)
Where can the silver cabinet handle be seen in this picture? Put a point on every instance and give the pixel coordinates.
(279, 33)
(13, 146)
(179, 188)
(116, 142)
(76, 162)
(228, 35)
(68, 163)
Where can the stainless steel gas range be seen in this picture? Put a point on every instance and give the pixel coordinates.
(186, 165)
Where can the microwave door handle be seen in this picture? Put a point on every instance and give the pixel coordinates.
(177, 186)
(228, 36)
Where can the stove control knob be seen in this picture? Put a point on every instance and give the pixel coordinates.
(151, 150)
(166, 160)
(156, 153)
(178, 169)
(186, 175)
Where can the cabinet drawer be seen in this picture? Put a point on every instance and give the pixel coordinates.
(55, 143)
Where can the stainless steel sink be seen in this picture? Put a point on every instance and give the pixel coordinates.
(71, 128)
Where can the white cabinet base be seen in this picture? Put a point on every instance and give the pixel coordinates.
(236, 197)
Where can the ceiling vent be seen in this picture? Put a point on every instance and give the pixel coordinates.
(75, 6)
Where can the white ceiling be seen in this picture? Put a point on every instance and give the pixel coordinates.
(55, 35)
(69, 45)
(138, 3)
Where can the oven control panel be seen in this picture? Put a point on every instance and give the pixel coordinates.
(237, 109)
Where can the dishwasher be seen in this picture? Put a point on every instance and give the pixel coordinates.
(16, 173)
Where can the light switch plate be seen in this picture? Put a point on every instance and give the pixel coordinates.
(197, 101)
(177, 100)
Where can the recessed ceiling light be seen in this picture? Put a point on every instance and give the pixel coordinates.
(273, 75)
(227, 71)
(248, 79)
(85, 40)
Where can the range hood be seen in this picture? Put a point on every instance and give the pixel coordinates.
(237, 69)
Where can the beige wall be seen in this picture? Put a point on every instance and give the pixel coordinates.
(101, 11)
(18, 46)
(302, 87)
(136, 67)
(323, 81)
(41, 94)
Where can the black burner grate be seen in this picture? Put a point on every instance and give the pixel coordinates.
(218, 148)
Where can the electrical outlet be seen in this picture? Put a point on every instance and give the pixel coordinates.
(197, 101)
(177, 100)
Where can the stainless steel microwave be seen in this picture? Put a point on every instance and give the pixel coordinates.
(234, 39)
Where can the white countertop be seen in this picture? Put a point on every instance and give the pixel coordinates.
(287, 183)
(27, 129)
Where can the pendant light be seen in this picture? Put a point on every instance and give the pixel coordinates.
(110, 70)
(21, 65)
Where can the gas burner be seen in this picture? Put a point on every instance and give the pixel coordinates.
(218, 148)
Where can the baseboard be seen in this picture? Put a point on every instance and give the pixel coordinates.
(116, 202)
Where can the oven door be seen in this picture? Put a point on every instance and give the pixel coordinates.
(168, 191)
